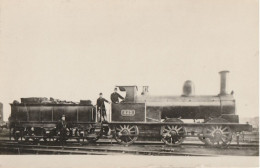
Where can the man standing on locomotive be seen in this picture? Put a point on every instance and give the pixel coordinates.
(115, 96)
(101, 106)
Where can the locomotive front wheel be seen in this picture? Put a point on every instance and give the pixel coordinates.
(173, 135)
(126, 134)
(217, 135)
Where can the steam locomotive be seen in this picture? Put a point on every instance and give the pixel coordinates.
(138, 116)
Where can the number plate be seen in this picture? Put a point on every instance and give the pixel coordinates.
(127, 112)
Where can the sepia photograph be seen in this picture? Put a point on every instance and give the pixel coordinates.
(127, 83)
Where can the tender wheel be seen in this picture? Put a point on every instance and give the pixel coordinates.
(36, 140)
(126, 134)
(16, 134)
(26, 139)
(217, 135)
(173, 135)
(64, 135)
(93, 134)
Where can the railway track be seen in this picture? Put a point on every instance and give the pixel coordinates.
(43, 149)
(137, 143)
(106, 148)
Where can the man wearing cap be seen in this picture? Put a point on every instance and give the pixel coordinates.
(62, 128)
(115, 96)
(101, 106)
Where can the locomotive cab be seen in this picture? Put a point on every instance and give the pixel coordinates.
(129, 110)
(131, 93)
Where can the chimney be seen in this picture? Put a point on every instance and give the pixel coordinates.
(223, 82)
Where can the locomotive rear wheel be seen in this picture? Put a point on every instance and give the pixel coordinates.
(173, 135)
(217, 135)
(126, 134)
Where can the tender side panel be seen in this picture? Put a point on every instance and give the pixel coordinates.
(46, 113)
(22, 113)
(128, 112)
(34, 113)
(58, 111)
(71, 113)
(85, 113)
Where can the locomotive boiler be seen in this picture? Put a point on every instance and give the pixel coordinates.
(141, 116)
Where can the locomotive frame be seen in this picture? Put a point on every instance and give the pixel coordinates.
(137, 116)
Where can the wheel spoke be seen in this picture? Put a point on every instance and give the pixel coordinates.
(224, 136)
(209, 130)
(130, 138)
(224, 129)
(131, 127)
(179, 129)
(223, 141)
(213, 128)
(165, 128)
(169, 128)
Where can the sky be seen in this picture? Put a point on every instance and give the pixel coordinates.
(75, 49)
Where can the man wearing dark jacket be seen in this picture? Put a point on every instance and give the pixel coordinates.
(115, 96)
(101, 106)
